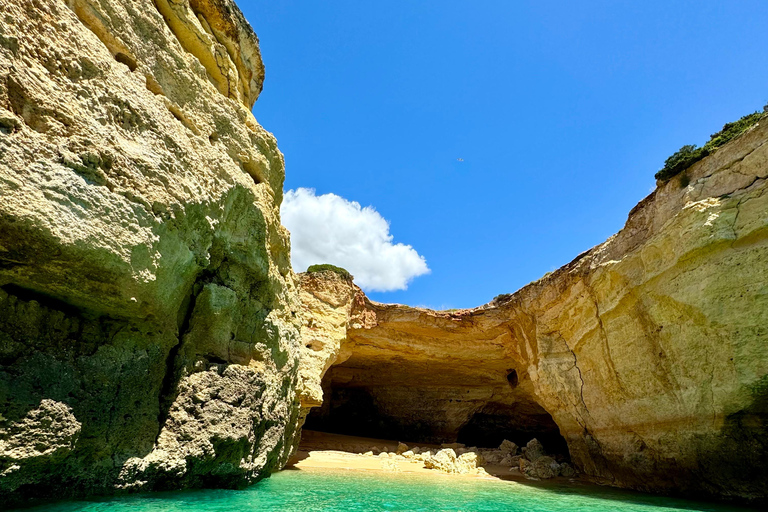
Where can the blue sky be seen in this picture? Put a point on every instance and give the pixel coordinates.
(560, 112)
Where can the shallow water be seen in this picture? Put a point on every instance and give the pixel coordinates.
(344, 490)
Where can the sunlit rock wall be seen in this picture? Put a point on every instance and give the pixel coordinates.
(148, 313)
(650, 351)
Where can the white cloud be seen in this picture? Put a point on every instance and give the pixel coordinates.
(330, 229)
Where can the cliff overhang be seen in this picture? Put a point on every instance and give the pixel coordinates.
(645, 354)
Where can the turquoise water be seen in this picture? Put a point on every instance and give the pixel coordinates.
(349, 491)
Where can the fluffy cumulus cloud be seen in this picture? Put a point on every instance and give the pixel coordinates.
(330, 229)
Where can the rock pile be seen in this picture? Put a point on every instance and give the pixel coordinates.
(535, 463)
(456, 458)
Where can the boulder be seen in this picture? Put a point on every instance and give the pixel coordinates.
(533, 450)
(567, 470)
(543, 467)
(506, 460)
(468, 463)
(508, 448)
(444, 460)
(492, 456)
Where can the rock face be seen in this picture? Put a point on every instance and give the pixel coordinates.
(148, 312)
(149, 317)
(647, 354)
(329, 304)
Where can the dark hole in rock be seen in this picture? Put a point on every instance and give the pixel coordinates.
(128, 61)
(519, 423)
(8, 125)
(512, 378)
(43, 299)
(214, 359)
(379, 402)
(349, 411)
(253, 171)
(354, 410)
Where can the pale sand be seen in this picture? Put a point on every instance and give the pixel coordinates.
(334, 451)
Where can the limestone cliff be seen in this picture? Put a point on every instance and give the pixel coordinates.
(329, 302)
(148, 328)
(648, 354)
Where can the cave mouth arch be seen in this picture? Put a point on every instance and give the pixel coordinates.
(374, 402)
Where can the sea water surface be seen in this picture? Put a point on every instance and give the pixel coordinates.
(349, 491)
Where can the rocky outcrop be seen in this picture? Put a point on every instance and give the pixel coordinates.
(647, 354)
(149, 318)
(447, 461)
(330, 305)
(148, 313)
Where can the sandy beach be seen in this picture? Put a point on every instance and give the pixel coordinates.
(334, 451)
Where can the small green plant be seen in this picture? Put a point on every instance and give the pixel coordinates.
(344, 273)
(690, 154)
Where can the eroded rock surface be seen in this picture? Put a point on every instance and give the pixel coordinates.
(330, 306)
(648, 352)
(148, 328)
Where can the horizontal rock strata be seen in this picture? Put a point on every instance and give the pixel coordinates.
(648, 351)
(148, 337)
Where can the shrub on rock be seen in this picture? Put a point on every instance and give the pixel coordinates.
(327, 267)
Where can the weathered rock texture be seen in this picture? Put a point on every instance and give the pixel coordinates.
(649, 352)
(329, 305)
(148, 328)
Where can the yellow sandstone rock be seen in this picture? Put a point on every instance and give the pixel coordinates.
(148, 311)
(647, 353)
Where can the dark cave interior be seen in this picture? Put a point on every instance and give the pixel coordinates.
(362, 406)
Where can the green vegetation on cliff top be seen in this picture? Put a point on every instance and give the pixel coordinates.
(690, 154)
(344, 273)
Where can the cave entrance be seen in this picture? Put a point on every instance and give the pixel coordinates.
(387, 401)
(392, 403)
(353, 411)
(518, 422)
